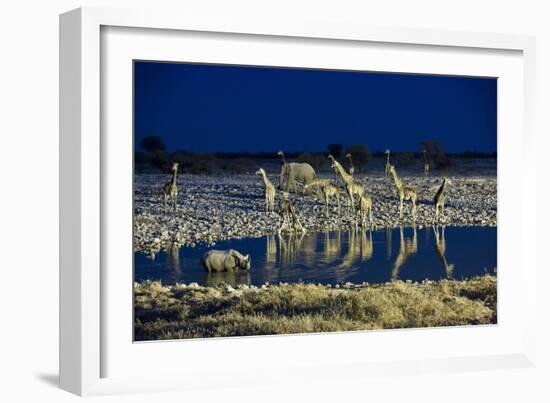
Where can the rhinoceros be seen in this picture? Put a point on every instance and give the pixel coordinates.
(225, 260)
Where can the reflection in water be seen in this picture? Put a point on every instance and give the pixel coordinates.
(441, 249)
(354, 250)
(289, 245)
(233, 278)
(350, 257)
(356, 255)
(407, 247)
(271, 249)
(270, 256)
(360, 248)
(367, 247)
(173, 252)
(308, 248)
(388, 243)
(332, 245)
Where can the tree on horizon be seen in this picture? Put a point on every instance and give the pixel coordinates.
(335, 150)
(151, 144)
(359, 153)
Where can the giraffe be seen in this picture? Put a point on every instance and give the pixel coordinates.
(351, 167)
(170, 189)
(328, 189)
(405, 193)
(426, 163)
(269, 191)
(365, 206)
(281, 154)
(353, 186)
(441, 248)
(407, 248)
(388, 165)
(288, 214)
(439, 200)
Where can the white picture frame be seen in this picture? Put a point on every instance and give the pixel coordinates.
(88, 315)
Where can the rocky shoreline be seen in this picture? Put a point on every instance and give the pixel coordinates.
(214, 208)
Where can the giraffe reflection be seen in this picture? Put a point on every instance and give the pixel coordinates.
(289, 245)
(334, 256)
(360, 248)
(308, 249)
(441, 249)
(271, 249)
(332, 245)
(388, 243)
(354, 251)
(270, 256)
(173, 252)
(367, 247)
(407, 247)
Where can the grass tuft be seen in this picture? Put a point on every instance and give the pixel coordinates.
(190, 311)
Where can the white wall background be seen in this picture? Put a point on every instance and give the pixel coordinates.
(29, 201)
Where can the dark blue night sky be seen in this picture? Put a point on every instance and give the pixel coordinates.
(210, 108)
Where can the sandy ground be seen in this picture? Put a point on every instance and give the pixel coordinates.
(212, 208)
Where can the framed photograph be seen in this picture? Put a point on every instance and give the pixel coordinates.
(249, 201)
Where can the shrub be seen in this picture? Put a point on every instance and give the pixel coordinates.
(160, 160)
(359, 154)
(436, 153)
(335, 150)
(443, 161)
(141, 160)
(201, 164)
(317, 161)
(405, 159)
(151, 144)
(237, 165)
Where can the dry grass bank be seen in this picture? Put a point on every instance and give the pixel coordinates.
(179, 311)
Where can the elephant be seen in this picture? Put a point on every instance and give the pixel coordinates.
(225, 260)
(295, 172)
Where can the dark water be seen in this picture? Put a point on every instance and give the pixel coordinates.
(338, 257)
